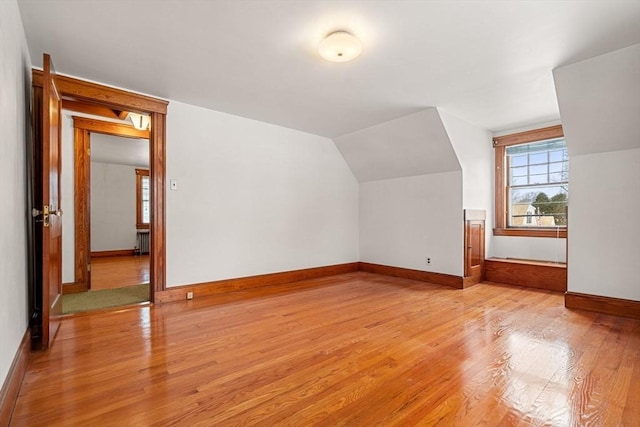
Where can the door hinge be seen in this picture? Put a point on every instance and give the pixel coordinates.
(88, 267)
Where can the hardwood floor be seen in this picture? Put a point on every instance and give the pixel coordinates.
(355, 349)
(119, 271)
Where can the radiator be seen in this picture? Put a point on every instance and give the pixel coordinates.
(142, 242)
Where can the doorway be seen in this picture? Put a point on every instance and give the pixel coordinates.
(106, 242)
(44, 294)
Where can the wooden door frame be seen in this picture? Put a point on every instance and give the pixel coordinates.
(82, 129)
(120, 100)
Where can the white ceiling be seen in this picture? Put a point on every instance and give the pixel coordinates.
(119, 150)
(487, 62)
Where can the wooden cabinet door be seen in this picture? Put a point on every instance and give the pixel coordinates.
(474, 249)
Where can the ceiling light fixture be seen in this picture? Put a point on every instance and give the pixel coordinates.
(140, 121)
(340, 46)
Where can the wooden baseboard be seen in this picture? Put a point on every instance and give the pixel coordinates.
(116, 252)
(73, 288)
(471, 280)
(532, 274)
(13, 381)
(179, 293)
(407, 273)
(605, 305)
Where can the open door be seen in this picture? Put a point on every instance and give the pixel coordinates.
(44, 292)
(47, 233)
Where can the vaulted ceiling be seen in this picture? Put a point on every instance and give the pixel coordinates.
(487, 62)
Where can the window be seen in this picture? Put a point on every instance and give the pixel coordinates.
(143, 198)
(532, 183)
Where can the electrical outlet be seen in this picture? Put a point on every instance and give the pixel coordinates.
(428, 261)
(190, 295)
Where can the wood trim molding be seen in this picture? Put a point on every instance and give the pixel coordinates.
(116, 252)
(528, 136)
(73, 288)
(94, 109)
(157, 143)
(109, 128)
(600, 304)
(178, 293)
(532, 274)
(93, 92)
(469, 281)
(555, 233)
(13, 381)
(407, 273)
(82, 214)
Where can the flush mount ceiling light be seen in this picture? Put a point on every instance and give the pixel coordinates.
(340, 46)
(140, 121)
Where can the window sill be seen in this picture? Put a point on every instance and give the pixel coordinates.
(527, 232)
(142, 226)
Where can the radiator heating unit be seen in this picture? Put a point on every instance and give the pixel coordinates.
(142, 242)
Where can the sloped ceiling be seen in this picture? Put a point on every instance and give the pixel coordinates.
(416, 144)
(599, 102)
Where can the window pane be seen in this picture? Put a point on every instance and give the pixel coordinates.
(519, 171)
(538, 169)
(518, 161)
(538, 158)
(556, 167)
(539, 179)
(519, 180)
(556, 177)
(556, 156)
(541, 206)
(145, 212)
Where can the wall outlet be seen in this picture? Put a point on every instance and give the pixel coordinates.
(428, 261)
(190, 295)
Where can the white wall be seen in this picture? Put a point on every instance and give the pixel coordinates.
(604, 251)
(253, 198)
(113, 206)
(599, 101)
(405, 220)
(15, 90)
(473, 146)
(535, 248)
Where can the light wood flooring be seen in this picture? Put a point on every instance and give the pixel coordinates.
(119, 271)
(356, 349)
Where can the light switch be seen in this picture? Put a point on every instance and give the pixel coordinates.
(173, 184)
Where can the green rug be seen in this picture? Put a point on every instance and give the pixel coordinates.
(94, 300)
